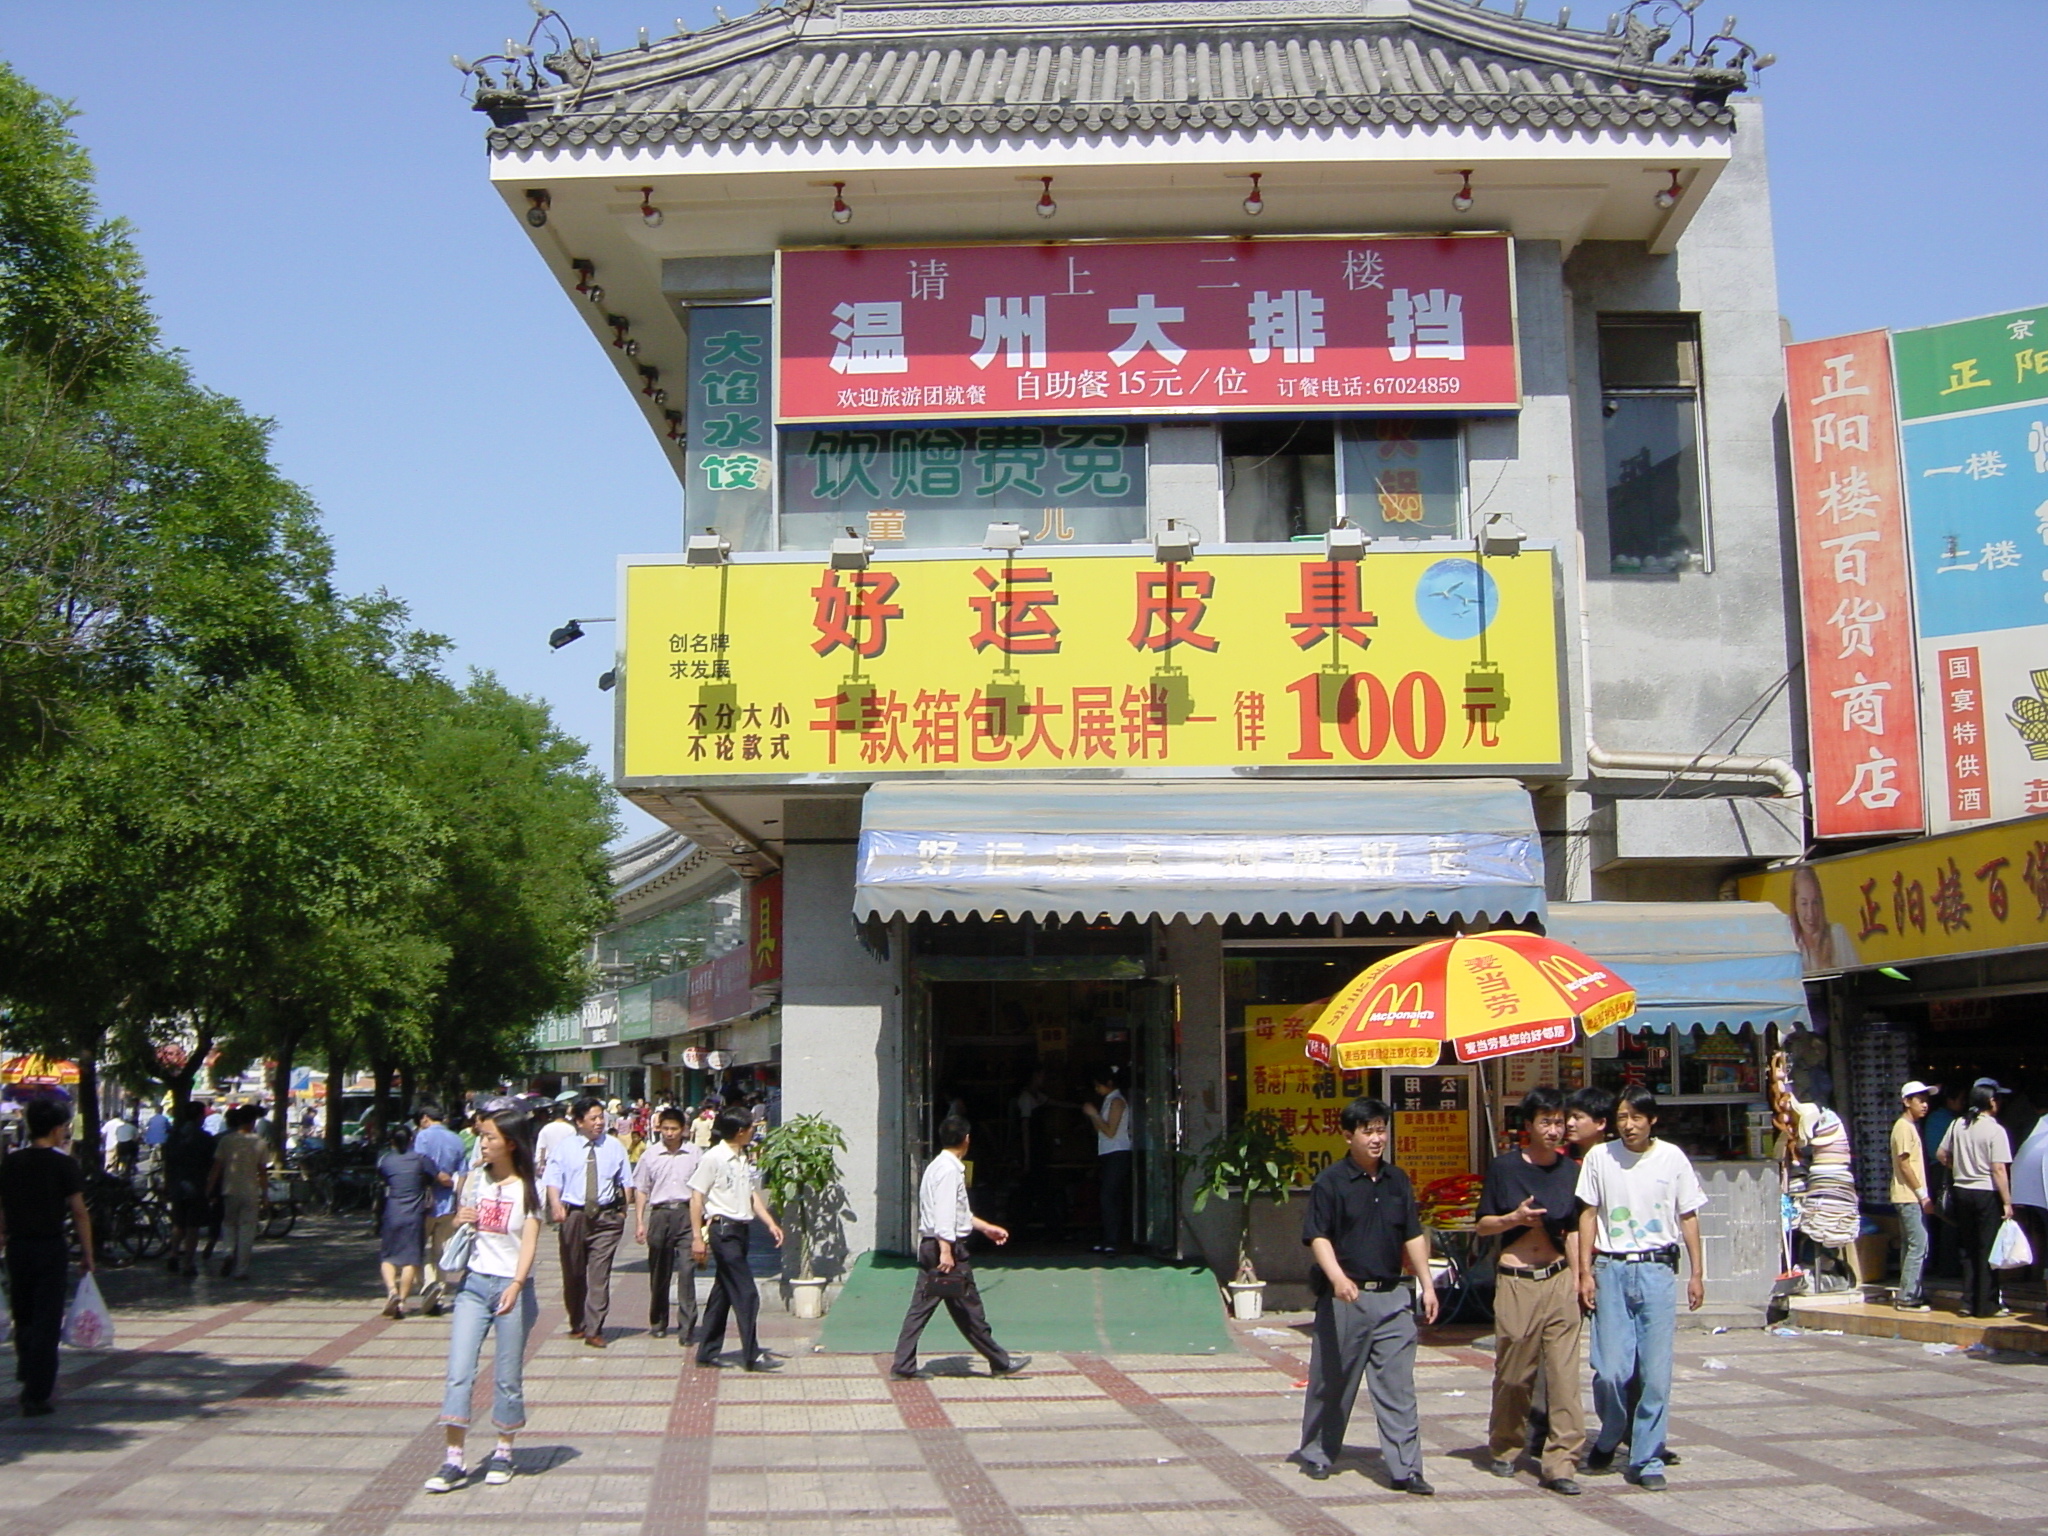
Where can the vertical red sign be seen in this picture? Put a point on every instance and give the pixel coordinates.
(1960, 678)
(1863, 719)
(764, 930)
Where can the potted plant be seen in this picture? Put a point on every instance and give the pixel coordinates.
(1252, 1158)
(799, 1162)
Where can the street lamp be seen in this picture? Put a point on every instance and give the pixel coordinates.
(571, 632)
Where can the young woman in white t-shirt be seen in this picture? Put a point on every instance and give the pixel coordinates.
(496, 1294)
(1112, 1121)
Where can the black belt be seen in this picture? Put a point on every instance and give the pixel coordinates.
(735, 1221)
(1376, 1285)
(666, 1205)
(1553, 1267)
(1645, 1256)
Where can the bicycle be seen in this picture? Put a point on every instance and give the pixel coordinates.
(137, 1224)
(279, 1211)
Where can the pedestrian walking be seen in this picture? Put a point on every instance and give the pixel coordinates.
(40, 1185)
(448, 1157)
(725, 1197)
(1979, 1158)
(494, 1295)
(585, 1184)
(1530, 1201)
(1363, 1231)
(241, 1165)
(555, 1133)
(1112, 1122)
(1640, 1201)
(410, 1181)
(944, 1224)
(661, 1221)
(1912, 1200)
(188, 1161)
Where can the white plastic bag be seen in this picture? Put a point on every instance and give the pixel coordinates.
(2010, 1248)
(87, 1322)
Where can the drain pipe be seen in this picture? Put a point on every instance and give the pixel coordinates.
(1746, 770)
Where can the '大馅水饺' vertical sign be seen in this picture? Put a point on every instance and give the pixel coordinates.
(729, 450)
(1863, 719)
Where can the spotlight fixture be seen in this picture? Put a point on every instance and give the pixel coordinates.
(1175, 543)
(1462, 198)
(649, 378)
(1003, 538)
(1344, 541)
(1500, 537)
(706, 548)
(1046, 207)
(585, 269)
(620, 326)
(1255, 204)
(675, 425)
(841, 214)
(608, 680)
(851, 553)
(1667, 197)
(538, 202)
(649, 214)
(568, 634)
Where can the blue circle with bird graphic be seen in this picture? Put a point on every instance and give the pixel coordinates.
(1457, 599)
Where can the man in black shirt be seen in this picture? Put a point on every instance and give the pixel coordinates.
(37, 1184)
(1531, 1202)
(1363, 1229)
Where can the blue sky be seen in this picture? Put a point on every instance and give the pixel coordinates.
(310, 194)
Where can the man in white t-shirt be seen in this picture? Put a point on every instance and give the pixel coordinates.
(548, 1142)
(725, 1197)
(1639, 1199)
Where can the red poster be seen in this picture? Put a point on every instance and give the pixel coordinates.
(764, 930)
(1353, 325)
(1863, 720)
(1960, 677)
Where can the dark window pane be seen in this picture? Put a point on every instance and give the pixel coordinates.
(1653, 484)
(1648, 354)
(1403, 479)
(1279, 480)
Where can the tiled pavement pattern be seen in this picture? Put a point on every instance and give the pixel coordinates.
(287, 1408)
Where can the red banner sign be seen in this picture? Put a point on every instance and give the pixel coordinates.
(1863, 719)
(764, 930)
(1359, 325)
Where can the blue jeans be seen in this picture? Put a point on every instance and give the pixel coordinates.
(476, 1314)
(1912, 1248)
(1633, 1329)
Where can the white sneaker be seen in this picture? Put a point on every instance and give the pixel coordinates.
(448, 1479)
(498, 1470)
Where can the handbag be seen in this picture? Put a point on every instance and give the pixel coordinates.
(455, 1253)
(946, 1284)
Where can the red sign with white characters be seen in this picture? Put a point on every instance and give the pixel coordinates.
(1862, 714)
(1353, 325)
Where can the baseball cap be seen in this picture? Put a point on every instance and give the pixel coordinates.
(1915, 1088)
(1992, 1083)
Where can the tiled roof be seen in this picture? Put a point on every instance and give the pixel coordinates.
(988, 68)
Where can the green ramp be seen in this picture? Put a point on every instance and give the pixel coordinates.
(1127, 1306)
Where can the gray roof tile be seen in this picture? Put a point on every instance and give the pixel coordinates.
(981, 68)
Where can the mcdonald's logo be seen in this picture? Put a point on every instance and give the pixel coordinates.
(1569, 976)
(1396, 1004)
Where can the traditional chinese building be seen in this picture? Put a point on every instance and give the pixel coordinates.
(1181, 498)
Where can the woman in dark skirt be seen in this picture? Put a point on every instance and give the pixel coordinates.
(409, 1181)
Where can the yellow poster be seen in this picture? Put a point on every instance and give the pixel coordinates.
(1961, 893)
(776, 668)
(1432, 1124)
(1307, 1098)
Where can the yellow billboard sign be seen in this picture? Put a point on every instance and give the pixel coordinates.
(1963, 893)
(776, 668)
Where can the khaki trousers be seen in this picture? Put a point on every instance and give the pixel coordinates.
(1537, 1326)
(435, 1286)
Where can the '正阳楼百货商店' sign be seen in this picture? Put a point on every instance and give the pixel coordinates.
(1353, 325)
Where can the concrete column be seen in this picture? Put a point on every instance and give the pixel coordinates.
(1184, 480)
(1194, 958)
(837, 1058)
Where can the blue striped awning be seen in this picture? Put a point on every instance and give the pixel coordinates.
(1694, 964)
(1453, 849)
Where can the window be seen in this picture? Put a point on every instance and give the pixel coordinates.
(1404, 479)
(1279, 480)
(1650, 409)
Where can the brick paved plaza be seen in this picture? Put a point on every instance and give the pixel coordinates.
(287, 1407)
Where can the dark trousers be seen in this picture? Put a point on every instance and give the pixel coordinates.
(1977, 1213)
(1370, 1340)
(732, 1290)
(965, 1310)
(1116, 1198)
(588, 1240)
(38, 1269)
(669, 1257)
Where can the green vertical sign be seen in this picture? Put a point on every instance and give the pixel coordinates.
(730, 453)
(1970, 365)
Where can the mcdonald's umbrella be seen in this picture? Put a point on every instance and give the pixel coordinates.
(1489, 994)
(38, 1072)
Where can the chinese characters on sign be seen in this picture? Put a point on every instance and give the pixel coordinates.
(729, 441)
(1308, 1098)
(1401, 324)
(1862, 719)
(1962, 734)
(1432, 1124)
(1065, 662)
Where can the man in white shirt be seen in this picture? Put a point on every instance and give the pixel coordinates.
(1639, 1199)
(551, 1136)
(725, 1197)
(944, 1223)
(585, 1188)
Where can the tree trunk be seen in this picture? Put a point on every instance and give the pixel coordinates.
(407, 1092)
(281, 1088)
(337, 1067)
(380, 1100)
(88, 1150)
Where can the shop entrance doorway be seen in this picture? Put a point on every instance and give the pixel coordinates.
(1018, 1056)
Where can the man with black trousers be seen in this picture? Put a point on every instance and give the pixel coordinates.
(39, 1186)
(725, 1197)
(661, 1220)
(1363, 1230)
(944, 1223)
(585, 1182)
